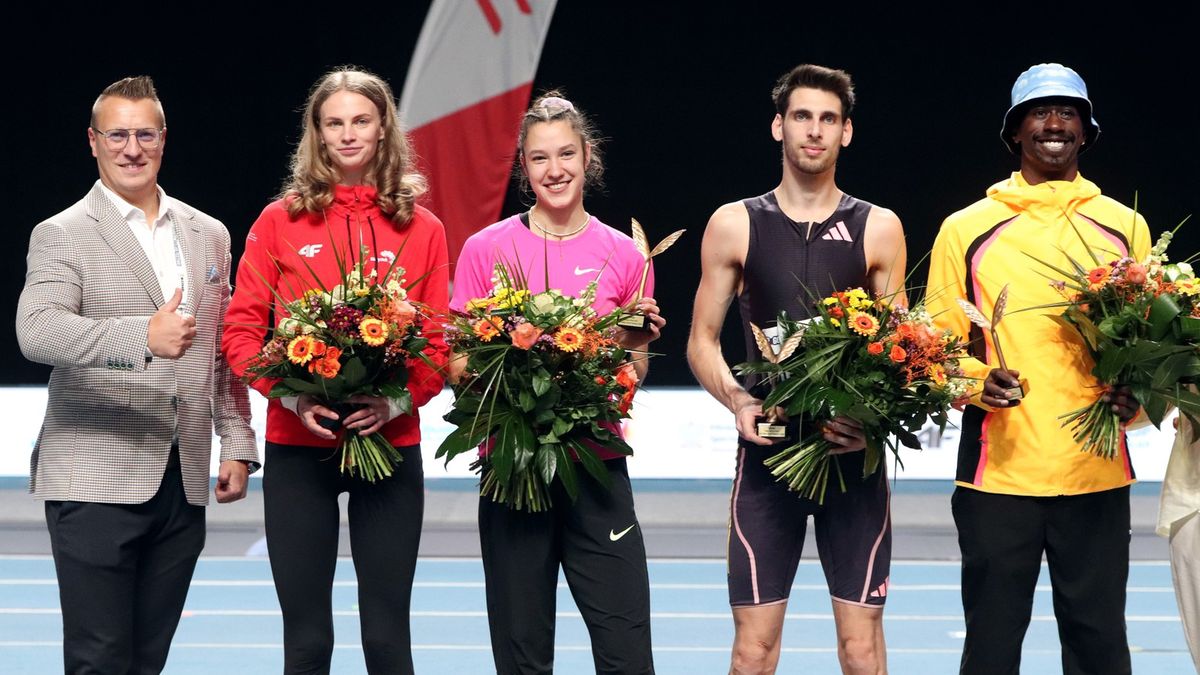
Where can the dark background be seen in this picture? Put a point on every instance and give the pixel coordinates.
(681, 94)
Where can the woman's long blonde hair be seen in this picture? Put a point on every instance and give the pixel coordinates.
(393, 170)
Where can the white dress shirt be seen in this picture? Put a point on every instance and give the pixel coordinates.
(157, 240)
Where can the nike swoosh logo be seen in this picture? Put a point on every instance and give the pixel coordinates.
(613, 535)
(581, 271)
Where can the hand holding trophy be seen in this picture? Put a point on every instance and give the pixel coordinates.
(634, 320)
(770, 425)
(980, 320)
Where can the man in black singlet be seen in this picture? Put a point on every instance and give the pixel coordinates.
(804, 239)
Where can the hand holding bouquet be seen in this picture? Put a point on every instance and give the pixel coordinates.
(353, 339)
(545, 384)
(1140, 320)
(881, 365)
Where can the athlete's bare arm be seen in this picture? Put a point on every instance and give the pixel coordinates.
(886, 254)
(722, 256)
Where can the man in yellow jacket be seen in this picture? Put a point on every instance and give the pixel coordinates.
(1024, 486)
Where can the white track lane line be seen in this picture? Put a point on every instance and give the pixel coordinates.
(350, 583)
(698, 562)
(479, 614)
(558, 648)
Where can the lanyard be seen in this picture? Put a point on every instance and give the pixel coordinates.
(179, 268)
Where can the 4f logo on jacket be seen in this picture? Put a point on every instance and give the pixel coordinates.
(310, 250)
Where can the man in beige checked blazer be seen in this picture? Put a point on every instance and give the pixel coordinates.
(125, 296)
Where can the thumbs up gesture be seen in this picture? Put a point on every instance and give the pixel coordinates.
(171, 333)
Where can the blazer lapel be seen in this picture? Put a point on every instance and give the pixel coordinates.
(124, 244)
(192, 247)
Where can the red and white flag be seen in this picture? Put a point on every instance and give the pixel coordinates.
(467, 86)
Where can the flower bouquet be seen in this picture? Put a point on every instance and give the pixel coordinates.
(872, 361)
(545, 384)
(337, 343)
(1140, 320)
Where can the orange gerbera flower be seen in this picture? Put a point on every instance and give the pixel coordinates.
(1098, 275)
(568, 339)
(875, 348)
(836, 312)
(897, 354)
(300, 350)
(864, 324)
(486, 329)
(373, 331)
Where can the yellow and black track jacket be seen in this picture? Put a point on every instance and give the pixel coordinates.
(999, 240)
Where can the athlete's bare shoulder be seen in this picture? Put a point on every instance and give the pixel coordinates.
(879, 218)
(731, 215)
(883, 230)
(727, 234)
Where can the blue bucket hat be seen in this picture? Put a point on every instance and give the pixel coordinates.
(1048, 80)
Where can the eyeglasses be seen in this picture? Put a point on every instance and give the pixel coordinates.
(119, 138)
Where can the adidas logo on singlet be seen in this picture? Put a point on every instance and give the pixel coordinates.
(838, 233)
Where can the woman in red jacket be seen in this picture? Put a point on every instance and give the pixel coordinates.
(352, 184)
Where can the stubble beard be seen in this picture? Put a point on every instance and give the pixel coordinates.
(811, 167)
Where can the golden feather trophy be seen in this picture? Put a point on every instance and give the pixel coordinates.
(636, 320)
(977, 318)
(769, 425)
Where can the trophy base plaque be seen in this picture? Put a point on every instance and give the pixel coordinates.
(772, 429)
(639, 322)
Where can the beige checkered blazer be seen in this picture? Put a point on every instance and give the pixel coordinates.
(111, 415)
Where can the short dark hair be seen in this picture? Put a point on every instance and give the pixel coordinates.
(137, 88)
(810, 76)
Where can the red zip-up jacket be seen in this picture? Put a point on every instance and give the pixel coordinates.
(281, 250)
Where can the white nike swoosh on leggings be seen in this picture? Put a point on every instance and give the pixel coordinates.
(580, 271)
(613, 535)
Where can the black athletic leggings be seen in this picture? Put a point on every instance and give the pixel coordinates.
(300, 490)
(598, 543)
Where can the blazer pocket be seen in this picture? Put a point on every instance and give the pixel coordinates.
(95, 411)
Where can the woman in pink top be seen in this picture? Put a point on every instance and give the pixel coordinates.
(595, 539)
